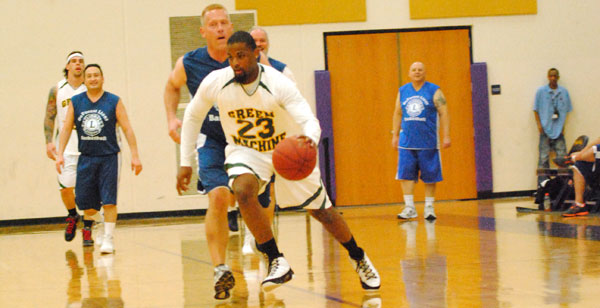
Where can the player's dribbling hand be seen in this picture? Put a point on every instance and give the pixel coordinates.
(136, 165)
(60, 162)
(51, 151)
(174, 126)
(184, 175)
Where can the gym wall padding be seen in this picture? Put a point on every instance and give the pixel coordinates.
(326, 155)
(481, 123)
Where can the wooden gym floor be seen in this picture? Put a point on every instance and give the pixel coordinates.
(477, 254)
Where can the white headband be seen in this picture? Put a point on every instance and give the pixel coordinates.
(77, 54)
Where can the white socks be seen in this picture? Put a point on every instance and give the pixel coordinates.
(409, 201)
(109, 228)
(429, 201)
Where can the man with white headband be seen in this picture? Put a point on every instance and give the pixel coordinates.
(56, 109)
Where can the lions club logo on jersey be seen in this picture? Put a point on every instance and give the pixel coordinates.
(414, 106)
(92, 124)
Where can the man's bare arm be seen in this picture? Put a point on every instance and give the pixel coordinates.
(439, 101)
(176, 80)
(49, 118)
(50, 115)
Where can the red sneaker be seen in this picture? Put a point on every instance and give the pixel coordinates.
(71, 227)
(87, 236)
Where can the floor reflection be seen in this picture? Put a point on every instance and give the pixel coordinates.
(103, 286)
(476, 254)
(424, 270)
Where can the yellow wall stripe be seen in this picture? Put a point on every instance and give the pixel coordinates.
(291, 12)
(423, 9)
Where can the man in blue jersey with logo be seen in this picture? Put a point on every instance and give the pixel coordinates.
(190, 70)
(420, 110)
(95, 114)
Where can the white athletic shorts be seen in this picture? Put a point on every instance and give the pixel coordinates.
(308, 193)
(68, 175)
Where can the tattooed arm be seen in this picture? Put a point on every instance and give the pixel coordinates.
(440, 104)
(49, 124)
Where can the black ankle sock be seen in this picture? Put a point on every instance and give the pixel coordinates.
(356, 253)
(270, 249)
(88, 223)
(72, 212)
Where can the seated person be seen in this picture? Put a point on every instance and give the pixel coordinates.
(586, 170)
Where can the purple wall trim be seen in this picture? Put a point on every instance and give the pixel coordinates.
(323, 106)
(481, 126)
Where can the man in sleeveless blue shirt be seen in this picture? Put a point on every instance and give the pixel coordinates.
(420, 111)
(190, 70)
(551, 106)
(95, 114)
(262, 43)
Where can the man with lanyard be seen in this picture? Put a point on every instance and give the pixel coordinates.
(551, 106)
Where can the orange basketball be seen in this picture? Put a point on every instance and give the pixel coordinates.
(294, 158)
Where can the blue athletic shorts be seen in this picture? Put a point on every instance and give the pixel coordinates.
(427, 162)
(97, 179)
(590, 170)
(211, 158)
(211, 170)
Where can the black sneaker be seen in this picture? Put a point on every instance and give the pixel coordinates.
(87, 236)
(576, 210)
(71, 227)
(564, 161)
(232, 218)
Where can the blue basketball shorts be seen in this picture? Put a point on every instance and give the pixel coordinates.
(590, 170)
(97, 181)
(427, 162)
(211, 167)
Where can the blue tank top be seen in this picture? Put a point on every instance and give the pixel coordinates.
(96, 124)
(419, 117)
(278, 65)
(198, 64)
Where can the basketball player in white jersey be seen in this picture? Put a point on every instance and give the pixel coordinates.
(258, 107)
(56, 109)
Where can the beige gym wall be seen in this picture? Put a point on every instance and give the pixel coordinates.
(130, 39)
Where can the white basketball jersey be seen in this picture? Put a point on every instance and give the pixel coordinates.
(64, 92)
(258, 120)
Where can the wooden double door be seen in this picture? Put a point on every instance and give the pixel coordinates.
(366, 70)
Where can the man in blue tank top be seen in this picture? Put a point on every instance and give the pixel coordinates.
(95, 114)
(262, 43)
(190, 70)
(420, 111)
